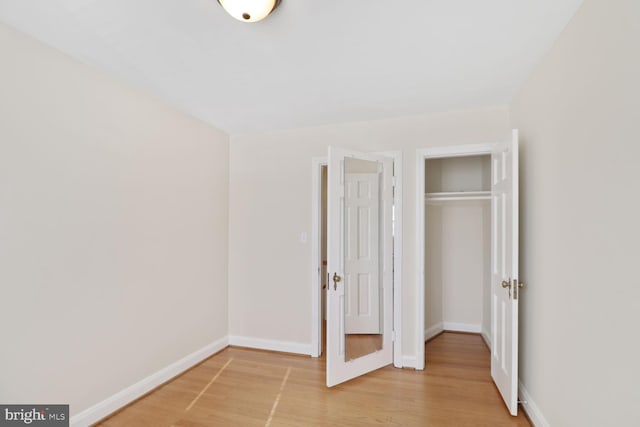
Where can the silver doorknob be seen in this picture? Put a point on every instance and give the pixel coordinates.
(336, 279)
(507, 285)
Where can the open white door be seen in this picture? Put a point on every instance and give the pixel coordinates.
(360, 264)
(505, 280)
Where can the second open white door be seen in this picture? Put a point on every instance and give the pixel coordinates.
(360, 264)
(505, 285)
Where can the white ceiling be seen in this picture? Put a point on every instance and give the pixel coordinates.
(312, 62)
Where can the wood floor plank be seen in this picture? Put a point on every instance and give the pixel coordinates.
(455, 389)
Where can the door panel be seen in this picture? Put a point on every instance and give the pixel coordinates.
(360, 251)
(504, 269)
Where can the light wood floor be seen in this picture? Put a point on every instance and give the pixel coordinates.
(241, 387)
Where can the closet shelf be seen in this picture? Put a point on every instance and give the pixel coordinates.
(457, 195)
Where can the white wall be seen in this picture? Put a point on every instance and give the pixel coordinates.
(463, 263)
(578, 116)
(486, 280)
(113, 230)
(270, 205)
(433, 277)
(467, 173)
(457, 254)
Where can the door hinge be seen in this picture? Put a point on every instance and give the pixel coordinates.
(393, 336)
(517, 285)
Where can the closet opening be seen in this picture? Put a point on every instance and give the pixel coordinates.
(457, 245)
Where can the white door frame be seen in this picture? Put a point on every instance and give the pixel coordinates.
(421, 156)
(316, 261)
(316, 255)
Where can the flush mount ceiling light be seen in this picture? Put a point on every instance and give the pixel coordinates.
(249, 10)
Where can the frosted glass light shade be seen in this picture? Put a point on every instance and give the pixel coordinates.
(249, 10)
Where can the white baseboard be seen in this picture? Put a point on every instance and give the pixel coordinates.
(462, 327)
(530, 407)
(409, 361)
(486, 338)
(108, 406)
(433, 331)
(454, 327)
(272, 345)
